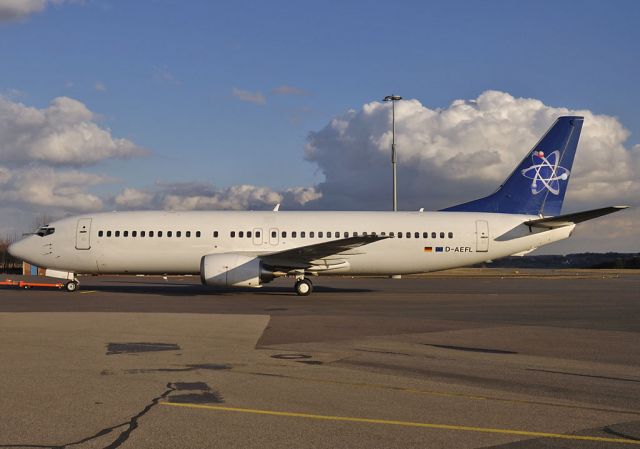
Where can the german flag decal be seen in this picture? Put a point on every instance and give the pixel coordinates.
(428, 249)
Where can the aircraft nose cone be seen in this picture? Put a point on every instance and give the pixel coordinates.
(17, 249)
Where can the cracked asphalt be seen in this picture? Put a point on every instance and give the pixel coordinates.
(542, 359)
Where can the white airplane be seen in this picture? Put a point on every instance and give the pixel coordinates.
(249, 249)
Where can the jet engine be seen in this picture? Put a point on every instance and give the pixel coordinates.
(233, 270)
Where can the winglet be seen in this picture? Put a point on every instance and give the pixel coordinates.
(276, 207)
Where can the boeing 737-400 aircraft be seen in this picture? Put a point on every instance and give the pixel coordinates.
(249, 249)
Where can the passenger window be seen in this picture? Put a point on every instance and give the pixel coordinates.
(108, 233)
(178, 233)
(169, 233)
(383, 233)
(416, 235)
(355, 234)
(233, 233)
(451, 235)
(408, 235)
(215, 234)
(303, 234)
(142, 233)
(248, 234)
(187, 234)
(346, 234)
(320, 234)
(433, 235)
(328, 234)
(198, 234)
(274, 234)
(150, 233)
(284, 234)
(159, 233)
(399, 235)
(117, 233)
(425, 235)
(364, 234)
(125, 234)
(311, 234)
(134, 233)
(392, 234)
(294, 234)
(257, 234)
(442, 235)
(241, 234)
(100, 233)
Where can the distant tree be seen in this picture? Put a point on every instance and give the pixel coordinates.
(8, 263)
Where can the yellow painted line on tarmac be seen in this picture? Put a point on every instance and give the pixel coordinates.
(524, 433)
(87, 291)
(454, 395)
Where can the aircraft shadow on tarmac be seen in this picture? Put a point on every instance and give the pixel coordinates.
(179, 289)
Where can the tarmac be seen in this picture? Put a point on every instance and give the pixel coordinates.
(463, 359)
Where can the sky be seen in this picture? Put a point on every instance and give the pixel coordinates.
(119, 105)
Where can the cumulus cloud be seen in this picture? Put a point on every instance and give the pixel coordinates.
(248, 96)
(204, 196)
(18, 9)
(447, 156)
(301, 195)
(39, 149)
(289, 90)
(133, 199)
(64, 133)
(35, 188)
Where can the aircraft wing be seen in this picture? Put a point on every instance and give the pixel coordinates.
(569, 219)
(305, 256)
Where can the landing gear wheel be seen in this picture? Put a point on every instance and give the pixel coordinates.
(304, 287)
(71, 286)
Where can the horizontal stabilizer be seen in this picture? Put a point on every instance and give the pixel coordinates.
(569, 219)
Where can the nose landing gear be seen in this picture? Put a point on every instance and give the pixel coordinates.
(71, 286)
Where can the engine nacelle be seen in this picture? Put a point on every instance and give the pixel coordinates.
(233, 270)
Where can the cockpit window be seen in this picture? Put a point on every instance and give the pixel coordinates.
(45, 230)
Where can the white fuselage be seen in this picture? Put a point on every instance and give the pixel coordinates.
(430, 240)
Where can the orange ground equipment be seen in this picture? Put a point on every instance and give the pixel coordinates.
(27, 285)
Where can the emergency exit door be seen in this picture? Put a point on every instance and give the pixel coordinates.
(482, 236)
(83, 233)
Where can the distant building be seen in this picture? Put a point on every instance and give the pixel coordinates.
(32, 270)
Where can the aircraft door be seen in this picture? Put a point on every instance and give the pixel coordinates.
(83, 233)
(257, 236)
(482, 236)
(273, 236)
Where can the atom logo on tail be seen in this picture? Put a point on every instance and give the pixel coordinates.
(545, 173)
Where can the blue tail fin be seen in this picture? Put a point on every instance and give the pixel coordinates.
(537, 186)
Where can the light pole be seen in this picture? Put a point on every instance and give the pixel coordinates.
(393, 99)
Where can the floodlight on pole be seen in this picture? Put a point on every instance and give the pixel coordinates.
(393, 99)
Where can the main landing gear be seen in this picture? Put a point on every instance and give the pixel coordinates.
(303, 287)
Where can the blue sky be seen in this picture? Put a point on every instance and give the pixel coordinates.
(162, 74)
(343, 54)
